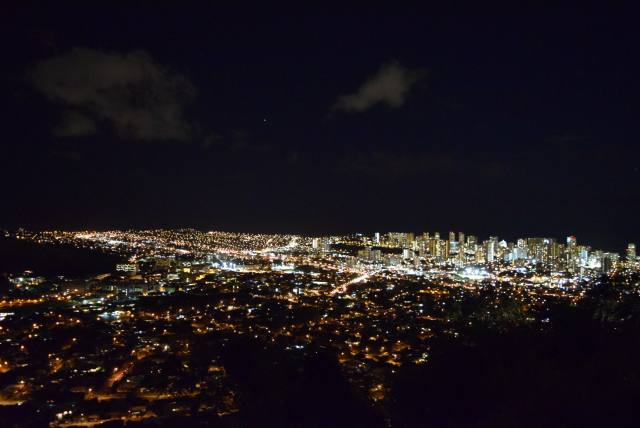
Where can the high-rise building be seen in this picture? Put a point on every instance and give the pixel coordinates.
(572, 253)
(555, 250)
(461, 256)
(631, 253)
(410, 238)
(452, 236)
(433, 247)
(461, 238)
(376, 238)
(608, 262)
(491, 248)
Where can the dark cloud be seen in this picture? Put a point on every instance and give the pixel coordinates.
(74, 124)
(129, 92)
(390, 85)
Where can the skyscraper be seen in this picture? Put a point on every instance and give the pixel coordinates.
(608, 262)
(631, 253)
(446, 249)
(491, 248)
(572, 253)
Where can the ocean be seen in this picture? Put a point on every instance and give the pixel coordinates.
(49, 261)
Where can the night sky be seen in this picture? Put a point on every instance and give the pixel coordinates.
(513, 124)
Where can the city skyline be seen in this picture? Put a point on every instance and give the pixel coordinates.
(457, 249)
(370, 235)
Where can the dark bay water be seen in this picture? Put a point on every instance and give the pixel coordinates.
(17, 256)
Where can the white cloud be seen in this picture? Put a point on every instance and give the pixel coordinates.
(390, 85)
(130, 92)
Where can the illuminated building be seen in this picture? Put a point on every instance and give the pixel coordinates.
(364, 254)
(572, 253)
(461, 256)
(631, 253)
(126, 267)
(491, 248)
(445, 250)
(433, 247)
(410, 238)
(608, 262)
